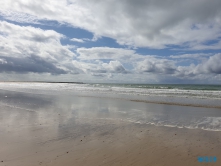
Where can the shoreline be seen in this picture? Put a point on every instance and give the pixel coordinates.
(53, 82)
(154, 99)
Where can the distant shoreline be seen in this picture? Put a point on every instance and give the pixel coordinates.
(110, 83)
(39, 82)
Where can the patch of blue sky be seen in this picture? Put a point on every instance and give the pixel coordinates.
(73, 32)
(212, 42)
(159, 52)
(69, 32)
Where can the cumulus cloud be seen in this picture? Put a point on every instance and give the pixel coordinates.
(25, 49)
(141, 23)
(91, 59)
(153, 65)
(105, 53)
(115, 67)
(98, 68)
(89, 67)
(206, 69)
(21, 41)
(29, 49)
(33, 64)
(212, 66)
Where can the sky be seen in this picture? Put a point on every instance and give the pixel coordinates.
(111, 41)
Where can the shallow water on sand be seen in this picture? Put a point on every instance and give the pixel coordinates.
(19, 109)
(59, 128)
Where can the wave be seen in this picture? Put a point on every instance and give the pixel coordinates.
(207, 123)
(127, 89)
(166, 86)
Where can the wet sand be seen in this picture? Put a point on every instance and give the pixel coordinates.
(53, 130)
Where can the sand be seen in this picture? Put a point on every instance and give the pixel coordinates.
(40, 130)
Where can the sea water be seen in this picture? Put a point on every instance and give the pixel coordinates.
(181, 106)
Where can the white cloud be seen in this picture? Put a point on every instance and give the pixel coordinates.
(158, 66)
(29, 49)
(105, 53)
(19, 16)
(101, 68)
(115, 67)
(25, 49)
(207, 69)
(191, 56)
(141, 23)
(83, 40)
(211, 66)
(91, 60)
(77, 40)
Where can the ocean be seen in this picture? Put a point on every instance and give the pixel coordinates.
(165, 86)
(176, 90)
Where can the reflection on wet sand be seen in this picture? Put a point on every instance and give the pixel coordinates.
(67, 130)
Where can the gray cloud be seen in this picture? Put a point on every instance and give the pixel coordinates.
(27, 49)
(98, 75)
(141, 23)
(29, 64)
(208, 68)
(160, 66)
(150, 65)
(105, 53)
(191, 56)
(213, 65)
(101, 68)
(117, 67)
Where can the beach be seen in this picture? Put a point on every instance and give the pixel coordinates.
(43, 126)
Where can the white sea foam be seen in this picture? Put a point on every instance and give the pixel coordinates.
(207, 123)
(29, 87)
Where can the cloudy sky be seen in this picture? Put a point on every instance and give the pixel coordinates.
(125, 41)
